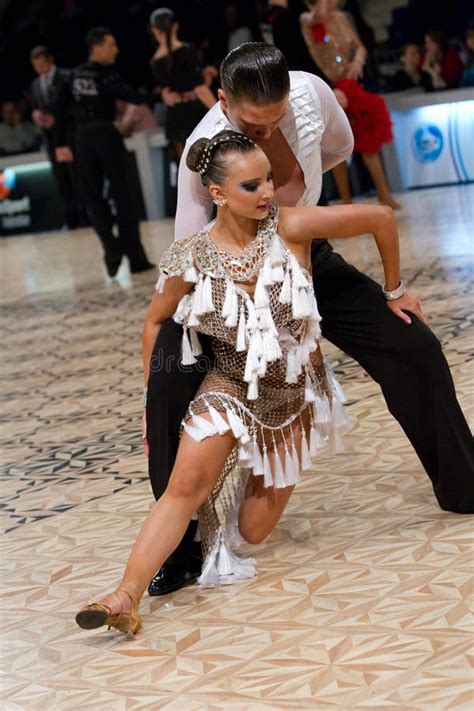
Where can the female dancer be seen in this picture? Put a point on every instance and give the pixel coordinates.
(270, 399)
(178, 73)
(337, 50)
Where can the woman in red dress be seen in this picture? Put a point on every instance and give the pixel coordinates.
(338, 51)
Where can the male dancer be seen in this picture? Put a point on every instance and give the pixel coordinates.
(91, 97)
(296, 120)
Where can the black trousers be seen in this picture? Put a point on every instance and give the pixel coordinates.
(101, 154)
(405, 360)
(65, 177)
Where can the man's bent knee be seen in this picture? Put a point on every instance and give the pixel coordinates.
(417, 342)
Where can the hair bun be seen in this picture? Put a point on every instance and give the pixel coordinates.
(207, 156)
(195, 154)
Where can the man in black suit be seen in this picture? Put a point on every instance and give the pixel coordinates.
(100, 154)
(46, 89)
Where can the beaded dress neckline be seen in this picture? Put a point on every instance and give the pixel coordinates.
(242, 266)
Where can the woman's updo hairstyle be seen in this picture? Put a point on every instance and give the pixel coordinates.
(207, 156)
(163, 19)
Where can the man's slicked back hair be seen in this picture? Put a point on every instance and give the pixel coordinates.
(255, 72)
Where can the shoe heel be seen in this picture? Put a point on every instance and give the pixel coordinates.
(91, 618)
(97, 614)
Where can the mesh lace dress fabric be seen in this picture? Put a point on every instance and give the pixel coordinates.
(270, 384)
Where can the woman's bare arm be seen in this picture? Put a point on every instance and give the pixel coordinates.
(300, 225)
(307, 223)
(161, 308)
(356, 68)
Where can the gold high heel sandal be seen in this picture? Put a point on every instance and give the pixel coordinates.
(97, 614)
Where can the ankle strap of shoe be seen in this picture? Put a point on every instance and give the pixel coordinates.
(121, 590)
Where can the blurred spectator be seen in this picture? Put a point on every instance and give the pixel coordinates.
(281, 26)
(238, 32)
(411, 76)
(179, 77)
(337, 49)
(467, 78)
(210, 74)
(367, 37)
(364, 30)
(332, 41)
(442, 64)
(134, 118)
(16, 134)
(46, 89)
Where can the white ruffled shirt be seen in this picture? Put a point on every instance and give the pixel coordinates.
(315, 127)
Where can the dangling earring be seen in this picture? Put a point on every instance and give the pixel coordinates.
(220, 202)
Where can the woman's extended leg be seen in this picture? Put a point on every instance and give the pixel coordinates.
(197, 468)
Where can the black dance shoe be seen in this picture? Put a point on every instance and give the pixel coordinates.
(112, 266)
(172, 577)
(142, 267)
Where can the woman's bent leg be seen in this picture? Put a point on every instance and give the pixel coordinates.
(262, 507)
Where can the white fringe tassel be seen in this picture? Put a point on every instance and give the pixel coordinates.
(223, 567)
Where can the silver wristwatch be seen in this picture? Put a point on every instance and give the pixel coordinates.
(396, 293)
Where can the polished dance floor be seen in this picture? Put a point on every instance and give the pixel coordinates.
(361, 599)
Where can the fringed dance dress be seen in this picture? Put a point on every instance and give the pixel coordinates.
(269, 385)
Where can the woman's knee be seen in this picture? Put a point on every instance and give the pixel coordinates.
(254, 527)
(261, 510)
(189, 483)
(253, 534)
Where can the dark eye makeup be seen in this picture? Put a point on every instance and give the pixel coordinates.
(252, 185)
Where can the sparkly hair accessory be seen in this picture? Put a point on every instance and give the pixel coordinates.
(205, 160)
